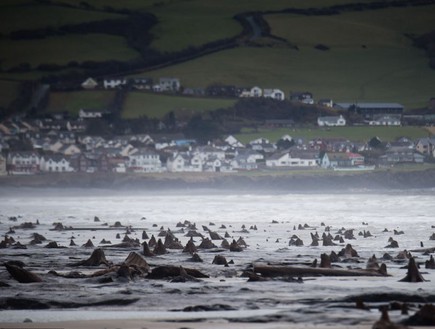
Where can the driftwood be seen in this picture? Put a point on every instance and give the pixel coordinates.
(22, 275)
(271, 271)
(169, 271)
(424, 250)
(135, 260)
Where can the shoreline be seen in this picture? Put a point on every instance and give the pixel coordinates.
(238, 182)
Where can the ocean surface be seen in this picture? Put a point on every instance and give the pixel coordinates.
(318, 300)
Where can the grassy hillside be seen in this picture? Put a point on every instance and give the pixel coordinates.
(362, 134)
(156, 106)
(35, 16)
(370, 57)
(8, 92)
(374, 28)
(61, 50)
(192, 23)
(72, 102)
(376, 74)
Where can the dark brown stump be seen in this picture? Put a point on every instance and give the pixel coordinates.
(160, 248)
(146, 250)
(325, 261)
(22, 275)
(413, 274)
(97, 258)
(190, 247)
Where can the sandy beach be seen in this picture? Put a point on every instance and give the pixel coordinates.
(271, 231)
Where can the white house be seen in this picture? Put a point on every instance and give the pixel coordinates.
(233, 142)
(326, 102)
(262, 144)
(89, 114)
(208, 152)
(385, 120)
(114, 83)
(245, 159)
(426, 146)
(253, 92)
(89, 84)
(69, 149)
(341, 159)
(23, 163)
(56, 163)
(293, 158)
(144, 161)
(184, 162)
(281, 160)
(331, 121)
(169, 84)
(274, 93)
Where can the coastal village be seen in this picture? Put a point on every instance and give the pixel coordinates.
(56, 144)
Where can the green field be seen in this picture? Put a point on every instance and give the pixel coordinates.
(8, 92)
(13, 18)
(360, 134)
(387, 69)
(192, 23)
(380, 28)
(156, 106)
(61, 50)
(72, 102)
(379, 74)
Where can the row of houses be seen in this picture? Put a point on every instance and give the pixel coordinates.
(97, 155)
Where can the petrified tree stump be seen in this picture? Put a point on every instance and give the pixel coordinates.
(97, 258)
(413, 274)
(22, 275)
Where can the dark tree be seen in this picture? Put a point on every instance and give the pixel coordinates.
(202, 130)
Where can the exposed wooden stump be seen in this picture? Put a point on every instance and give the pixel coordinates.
(146, 250)
(160, 248)
(325, 261)
(22, 275)
(392, 243)
(348, 252)
(327, 240)
(315, 240)
(214, 235)
(295, 241)
(242, 243)
(220, 260)
(299, 271)
(135, 260)
(423, 317)
(144, 235)
(206, 244)
(195, 258)
(372, 263)
(88, 244)
(153, 242)
(97, 258)
(190, 247)
(413, 274)
(430, 264)
(225, 244)
(235, 247)
(170, 271)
